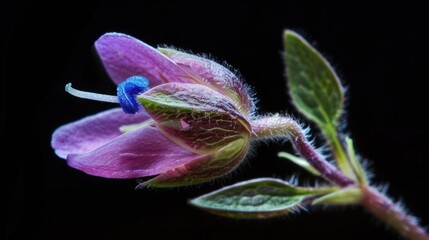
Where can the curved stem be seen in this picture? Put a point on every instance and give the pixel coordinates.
(274, 126)
(384, 209)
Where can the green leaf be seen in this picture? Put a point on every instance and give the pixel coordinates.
(314, 86)
(356, 165)
(300, 162)
(257, 198)
(342, 197)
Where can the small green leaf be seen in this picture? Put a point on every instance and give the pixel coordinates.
(356, 165)
(342, 197)
(300, 162)
(257, 198)
(314, 86)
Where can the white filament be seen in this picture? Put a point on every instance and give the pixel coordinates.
(90, 95)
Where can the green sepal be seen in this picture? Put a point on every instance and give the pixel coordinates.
(195, 116)
(203, 168)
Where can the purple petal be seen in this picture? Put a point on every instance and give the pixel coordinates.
(140, 153)
(124, 56)
(92, 132)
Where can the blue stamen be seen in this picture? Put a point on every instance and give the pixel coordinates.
(128, 91)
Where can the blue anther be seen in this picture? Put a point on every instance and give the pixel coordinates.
(128, 91)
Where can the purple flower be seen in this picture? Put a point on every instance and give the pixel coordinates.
(191, 121)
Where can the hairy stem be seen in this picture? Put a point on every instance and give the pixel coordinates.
(384, 209)
(274, 126)
(375, 202)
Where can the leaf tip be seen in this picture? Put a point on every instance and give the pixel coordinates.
(289, 35)
(288, 32)
(194, 202)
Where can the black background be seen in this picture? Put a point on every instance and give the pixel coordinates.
(377, 50)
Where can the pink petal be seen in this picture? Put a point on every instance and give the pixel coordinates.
(124, 56)
(140, 153)
(92, 132)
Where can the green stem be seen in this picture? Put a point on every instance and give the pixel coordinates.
(339, 152)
